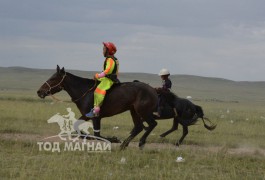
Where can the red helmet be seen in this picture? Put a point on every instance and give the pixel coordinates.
(111, 47)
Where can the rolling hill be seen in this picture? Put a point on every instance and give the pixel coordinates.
(18, 79)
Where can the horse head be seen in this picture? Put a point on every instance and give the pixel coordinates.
(53, 85)
(55, 118)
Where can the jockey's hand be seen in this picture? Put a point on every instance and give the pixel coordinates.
(158, 90)
(101, 75)
(96, 76)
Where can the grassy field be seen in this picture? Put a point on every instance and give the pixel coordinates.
(235, 150)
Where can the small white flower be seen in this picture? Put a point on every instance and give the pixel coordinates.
(115, 127)
(180, 159)
(123, 160)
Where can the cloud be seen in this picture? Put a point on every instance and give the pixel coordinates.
(208, 38)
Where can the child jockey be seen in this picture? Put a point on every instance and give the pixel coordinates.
(107, 77)
(166, 86)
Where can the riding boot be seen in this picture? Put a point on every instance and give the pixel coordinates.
(93, 113)
(158, 113)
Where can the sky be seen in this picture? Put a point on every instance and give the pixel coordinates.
(210, 38)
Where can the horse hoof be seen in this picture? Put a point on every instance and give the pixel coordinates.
(162, 136)
(122, 147)
(114, 139)
(141, 145)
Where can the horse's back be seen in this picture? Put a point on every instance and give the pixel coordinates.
(134, 88)
(125, 96)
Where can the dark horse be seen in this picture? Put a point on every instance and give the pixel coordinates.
(137, 97)
(183, 111)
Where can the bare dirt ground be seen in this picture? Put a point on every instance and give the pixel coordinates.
(153, 146)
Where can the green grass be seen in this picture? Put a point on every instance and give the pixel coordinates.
(21, 158)
(234, 150)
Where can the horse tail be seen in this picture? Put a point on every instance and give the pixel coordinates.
(209, 127)
(199, 111)
(200, 114)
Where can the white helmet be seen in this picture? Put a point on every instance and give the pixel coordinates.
(163, 72)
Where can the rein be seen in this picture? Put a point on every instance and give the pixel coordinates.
(59, 84)
(95, 84)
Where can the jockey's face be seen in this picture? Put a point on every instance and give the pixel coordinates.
(104, 51)
(164, 77)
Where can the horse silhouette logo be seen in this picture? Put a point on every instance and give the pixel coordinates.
(70, 126)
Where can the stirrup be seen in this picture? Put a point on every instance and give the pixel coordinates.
(91, 114)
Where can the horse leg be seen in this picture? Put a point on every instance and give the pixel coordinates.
(152, 124)
(136, 130)
(185, 132)
(174, 128)
(77, 129)
(145, 128)
(96, 128)
(138, 127)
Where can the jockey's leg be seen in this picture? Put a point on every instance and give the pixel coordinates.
(99, 96)
(159, 111)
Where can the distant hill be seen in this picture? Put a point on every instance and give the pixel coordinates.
(201, 88)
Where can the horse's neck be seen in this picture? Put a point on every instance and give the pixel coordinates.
(76, 86)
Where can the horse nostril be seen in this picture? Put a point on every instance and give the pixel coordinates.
(38, 92)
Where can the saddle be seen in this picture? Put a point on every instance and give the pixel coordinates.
(114, 78)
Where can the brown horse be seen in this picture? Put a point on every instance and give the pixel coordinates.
(138, 97)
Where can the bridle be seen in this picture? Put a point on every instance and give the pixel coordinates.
(48, 92)
(55, 86)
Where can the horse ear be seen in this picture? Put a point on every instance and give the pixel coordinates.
(58, 68)
(62, 70)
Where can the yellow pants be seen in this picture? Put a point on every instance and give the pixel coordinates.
(100, 91)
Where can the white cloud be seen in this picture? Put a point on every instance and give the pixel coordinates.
(208, 38)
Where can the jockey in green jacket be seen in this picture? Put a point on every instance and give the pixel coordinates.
(107, 77)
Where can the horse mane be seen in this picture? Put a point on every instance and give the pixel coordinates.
(80, 80)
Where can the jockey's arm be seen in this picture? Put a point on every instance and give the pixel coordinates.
(108, 70)
(68, 115)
